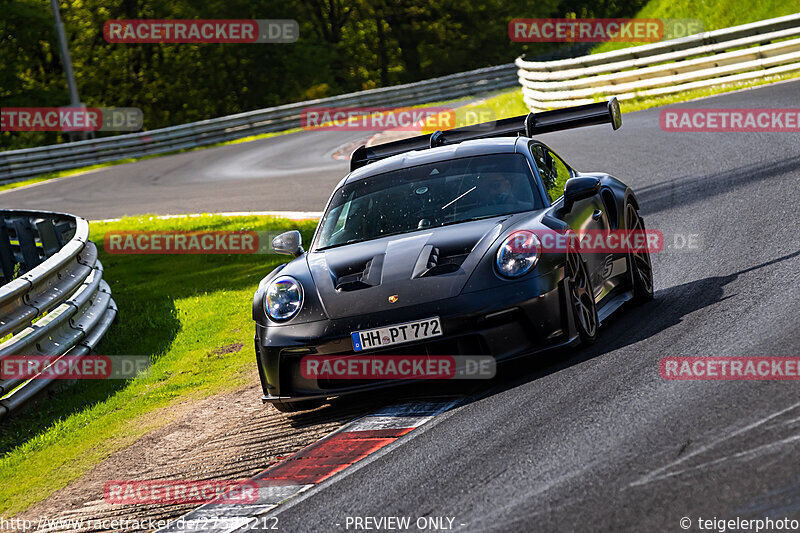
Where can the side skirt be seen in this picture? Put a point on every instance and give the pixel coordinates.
(612, 305)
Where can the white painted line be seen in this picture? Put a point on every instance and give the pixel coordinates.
(399, 416)
(279, 493)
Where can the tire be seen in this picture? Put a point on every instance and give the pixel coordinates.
(639, 263)
(581, 299)
(294, 407)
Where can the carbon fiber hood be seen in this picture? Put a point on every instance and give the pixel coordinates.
(401, 270)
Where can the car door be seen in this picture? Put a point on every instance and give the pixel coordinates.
(585, 215)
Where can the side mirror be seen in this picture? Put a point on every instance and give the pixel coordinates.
(578, 189)
(616, 114)
(290, 243)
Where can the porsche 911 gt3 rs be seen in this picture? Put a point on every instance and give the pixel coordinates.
(415, 254)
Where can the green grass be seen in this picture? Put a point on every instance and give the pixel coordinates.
(61, 174)
(24, 183)
(715, 14)
(177, 309)
(637, 104)
(502, 105)
(510, 103)
(64, 173)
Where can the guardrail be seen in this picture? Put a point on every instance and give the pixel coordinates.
(53, 300)
(741, 53)
(19, 164)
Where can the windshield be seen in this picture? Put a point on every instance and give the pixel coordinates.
(428, 196)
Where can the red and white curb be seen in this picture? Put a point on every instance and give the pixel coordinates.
(312, 465)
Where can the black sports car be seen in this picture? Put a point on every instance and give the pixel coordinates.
(420, 232)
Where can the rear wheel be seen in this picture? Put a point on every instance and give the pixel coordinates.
(639, 260)
(294, 407)
(582, 298)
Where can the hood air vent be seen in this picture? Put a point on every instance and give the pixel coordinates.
(443, 262)
(370, 276)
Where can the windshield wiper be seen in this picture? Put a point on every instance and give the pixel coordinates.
(354, 241)
(411, 230)
(472, 219)
(351, 241)
(448, 204)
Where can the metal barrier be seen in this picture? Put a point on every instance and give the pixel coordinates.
(53, 300)
(15, 164)
(19, 164)
(741, 53)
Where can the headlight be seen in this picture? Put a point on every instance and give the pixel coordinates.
(283, 298)
(518, 254)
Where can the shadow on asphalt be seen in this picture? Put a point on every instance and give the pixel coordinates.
(694, 189)
(622, 329)
(625, 328)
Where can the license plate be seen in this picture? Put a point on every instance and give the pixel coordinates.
(397, 334)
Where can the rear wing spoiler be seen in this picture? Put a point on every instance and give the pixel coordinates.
(527, 125)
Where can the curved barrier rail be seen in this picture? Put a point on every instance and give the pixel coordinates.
(53, 300)
(15, 164)
(19, 164)
(741, 53)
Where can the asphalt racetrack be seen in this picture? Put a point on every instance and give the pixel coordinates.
(588, 440)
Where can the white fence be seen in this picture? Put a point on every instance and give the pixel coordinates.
(742, 53)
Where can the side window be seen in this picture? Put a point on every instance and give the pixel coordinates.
(545, 171)
(552, 168)
(342, 218)
(559, 171)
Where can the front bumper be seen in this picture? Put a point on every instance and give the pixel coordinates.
(516, 319)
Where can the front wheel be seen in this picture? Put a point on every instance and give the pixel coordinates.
(639, 260)
(582, 302)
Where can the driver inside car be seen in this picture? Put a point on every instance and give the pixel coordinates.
(499, 190)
